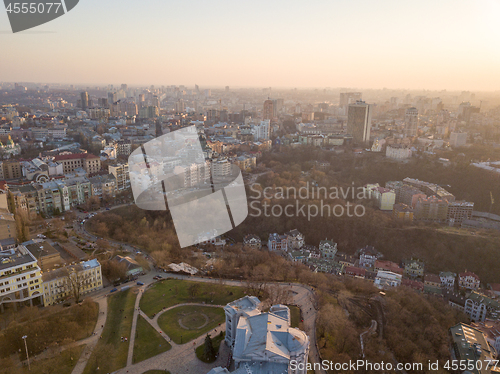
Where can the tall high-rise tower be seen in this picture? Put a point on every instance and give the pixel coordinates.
(267, 113)
(84, 97)
(411, 122)
(359, 120)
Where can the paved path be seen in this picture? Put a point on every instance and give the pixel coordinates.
(134, 326)
(91, 341)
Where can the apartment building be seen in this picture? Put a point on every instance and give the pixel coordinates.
(458, 211)
(479, 307)
(88, 162)
(246, 162)
(431, 209)
(7, 226)
(103, 186)
(61, 284)
(11, 169)
(123, 148)
(121, 174)
(20, 278)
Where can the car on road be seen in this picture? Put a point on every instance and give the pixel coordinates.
(108, 208)
(140, 284)
(113, 290)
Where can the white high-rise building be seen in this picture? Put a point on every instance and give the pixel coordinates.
(359, 119)
(261, 131)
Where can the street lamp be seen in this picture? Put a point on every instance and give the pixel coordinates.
(27, 356)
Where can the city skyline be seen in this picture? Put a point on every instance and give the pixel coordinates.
(283, 44)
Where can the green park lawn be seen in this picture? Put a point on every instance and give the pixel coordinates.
(148, 342)
(196, 321)
(111, 353)
(171, 292)
(294, 315)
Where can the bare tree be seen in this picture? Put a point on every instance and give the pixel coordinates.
(75, 281)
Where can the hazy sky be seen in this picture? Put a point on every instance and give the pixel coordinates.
(444, 44)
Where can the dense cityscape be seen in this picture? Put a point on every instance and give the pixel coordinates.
(66, 177)
(250, 187)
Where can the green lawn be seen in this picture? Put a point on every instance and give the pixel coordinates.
(148, 342)
(294, 315)
(60, 364)
(111, 353)
(169, 322)
(174, 291)
(216, 341)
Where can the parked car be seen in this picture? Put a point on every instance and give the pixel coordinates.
(140, 284)
(113, 290)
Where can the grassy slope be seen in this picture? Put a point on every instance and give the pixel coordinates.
(148, 342)
(111, 353)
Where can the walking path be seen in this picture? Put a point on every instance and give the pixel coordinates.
(91, 341)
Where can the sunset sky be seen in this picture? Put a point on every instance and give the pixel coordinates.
(367, 44)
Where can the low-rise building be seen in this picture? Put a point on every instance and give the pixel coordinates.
(447, 279)
(413, 268)
(388, 266)
(132, 266)
(65, 283)
(403, 212)
(479, 307)
(277, 242)
(413, 284)
(295, 239)
(468, 280)
(368, 256)
(252, 241)
(398, 152)
(263, 342)
(469, 345)
(491, 330)
(355, 272)
(328, 249)
(387, 279)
